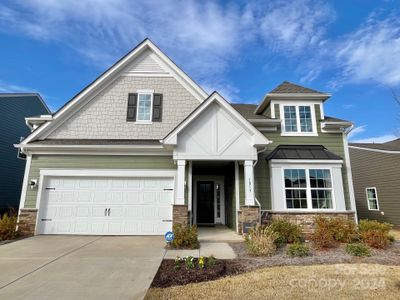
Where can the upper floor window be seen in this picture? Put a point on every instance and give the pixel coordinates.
(372, 198)
(298, 119)
(144, 107)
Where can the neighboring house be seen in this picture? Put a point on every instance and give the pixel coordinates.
(144, 147)
(14, 108)
(376, 171)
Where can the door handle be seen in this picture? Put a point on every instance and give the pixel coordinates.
(109, 211)
(105, 212)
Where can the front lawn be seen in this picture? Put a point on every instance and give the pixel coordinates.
(342, 281)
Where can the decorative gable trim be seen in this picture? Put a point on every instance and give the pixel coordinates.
(258, 138)
(108, 77)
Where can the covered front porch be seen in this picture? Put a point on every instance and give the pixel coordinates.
(216, 192)
(215, 150)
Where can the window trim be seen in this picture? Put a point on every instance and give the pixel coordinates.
(309, 189)
(376, 198)
(298, 132)
(144, 92)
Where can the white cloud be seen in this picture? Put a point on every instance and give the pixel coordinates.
(292, 26)
(357, 130)
(371, 53)
(378, 139)
(204, 37)
(6, 87)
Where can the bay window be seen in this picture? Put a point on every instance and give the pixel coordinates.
(308, 188)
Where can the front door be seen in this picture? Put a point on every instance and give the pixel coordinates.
(205, 202)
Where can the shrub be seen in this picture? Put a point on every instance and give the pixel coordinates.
(392, 239)
(211, 261)
(344, 230)
(298, 250)
(8, 227)
(261, 241)
(358, 249)
(287, 231)
(323, 236)
(185, 237)
(375, 234)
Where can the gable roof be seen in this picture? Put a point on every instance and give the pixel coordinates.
(292, 88)
(259, 138)
(388, 146)
(289, 91)
(25, 96)
(105, 78)
(302, 152)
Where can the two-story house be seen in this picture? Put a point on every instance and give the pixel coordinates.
(14, 107)
(144, 147)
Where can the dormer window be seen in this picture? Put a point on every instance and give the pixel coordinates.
(298, 119)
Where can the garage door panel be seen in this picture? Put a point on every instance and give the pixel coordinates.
(79, 205)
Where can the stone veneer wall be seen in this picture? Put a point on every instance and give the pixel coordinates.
(180, 215)
(248, 214)
(304, 219)
(27, 221)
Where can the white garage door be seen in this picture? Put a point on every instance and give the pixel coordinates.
(114, 206)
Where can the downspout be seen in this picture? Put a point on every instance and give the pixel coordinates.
(348, 170)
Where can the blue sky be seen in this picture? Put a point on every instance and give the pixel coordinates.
(243, 49)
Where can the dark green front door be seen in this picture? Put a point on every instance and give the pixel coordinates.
(205, 202)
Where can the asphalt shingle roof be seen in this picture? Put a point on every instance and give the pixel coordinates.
(390, 146)
(247, 111)
(287, 87)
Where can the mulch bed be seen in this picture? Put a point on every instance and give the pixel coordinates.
(337, 255)
(168, 276)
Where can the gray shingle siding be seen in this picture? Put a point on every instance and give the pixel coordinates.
(14, 109)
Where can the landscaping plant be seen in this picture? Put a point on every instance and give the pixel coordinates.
(185, 237)
(287, 232)
(358, 249)
(343, 230)
(8, 227)
(189, 262)
(375, 234)
(298, 250)
(323, 236)
(201, 262)
(261, 241)
(211, 261)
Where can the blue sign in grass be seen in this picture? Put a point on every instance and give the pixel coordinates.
(169, 236)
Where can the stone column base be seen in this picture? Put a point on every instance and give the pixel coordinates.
(249, 216)
(180, 215)
(27, 221)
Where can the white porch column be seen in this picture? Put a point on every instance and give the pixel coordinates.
(180, 183)
(249, 183)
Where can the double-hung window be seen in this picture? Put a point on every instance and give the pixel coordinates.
(144, 107)
(308, 188)
(298, 119)
(372, 198)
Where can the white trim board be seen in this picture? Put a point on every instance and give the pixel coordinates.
(375, 150)
(109, 172)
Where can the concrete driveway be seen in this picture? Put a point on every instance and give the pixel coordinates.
(79, 267)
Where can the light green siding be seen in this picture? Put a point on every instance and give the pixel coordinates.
(332, 141)
(92, 162)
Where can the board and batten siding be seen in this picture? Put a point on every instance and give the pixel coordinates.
(382, 171)
(332, 141)
(91, 162)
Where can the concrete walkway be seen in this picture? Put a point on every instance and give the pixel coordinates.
(218, 250)
(79, 267)
(218, 234)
